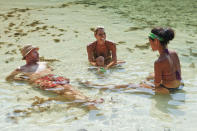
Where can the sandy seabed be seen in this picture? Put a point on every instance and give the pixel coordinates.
(62, 29)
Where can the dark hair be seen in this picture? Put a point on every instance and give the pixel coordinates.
(166, 33)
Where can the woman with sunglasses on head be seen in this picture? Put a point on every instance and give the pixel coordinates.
(167, 70)
(102, 53)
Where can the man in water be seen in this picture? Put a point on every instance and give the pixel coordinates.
(40, 74)
(31, 56)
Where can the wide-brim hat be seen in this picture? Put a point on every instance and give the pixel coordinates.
(26, 50)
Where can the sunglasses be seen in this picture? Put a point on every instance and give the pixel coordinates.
(101, 34)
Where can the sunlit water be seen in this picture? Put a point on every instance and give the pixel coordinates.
(64, 38)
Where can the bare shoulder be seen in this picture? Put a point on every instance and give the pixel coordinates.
(110, 44)
(91, 44)
(172, 52)
(158, 62)
(161, 59)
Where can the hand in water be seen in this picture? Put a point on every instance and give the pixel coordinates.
(150, 77)
(101, 69)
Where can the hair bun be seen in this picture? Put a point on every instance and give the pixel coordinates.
(169, 34)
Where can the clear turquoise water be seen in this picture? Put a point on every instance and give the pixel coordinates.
(127, 23)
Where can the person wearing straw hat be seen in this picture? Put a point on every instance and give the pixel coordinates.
(39, 74)
(31, 56)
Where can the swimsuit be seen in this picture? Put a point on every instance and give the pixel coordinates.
(178, 77)
(107, 56)
(172, 89)
(51, 81)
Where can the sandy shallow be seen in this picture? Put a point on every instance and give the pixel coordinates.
(62, 30)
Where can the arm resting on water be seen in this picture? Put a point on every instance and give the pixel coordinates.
(13, 74)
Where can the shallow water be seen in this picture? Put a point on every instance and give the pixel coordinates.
(62, 29)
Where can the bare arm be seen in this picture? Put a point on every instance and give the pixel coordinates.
(90, 56)
(178, 65)
(158, 74)
(13, 74)
(114, 57)
(93, 63)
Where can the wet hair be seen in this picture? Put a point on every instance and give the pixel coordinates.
(166, 33)
(98, 28)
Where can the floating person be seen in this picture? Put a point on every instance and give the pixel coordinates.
(167, 69)
(102, 53)
(39, 74)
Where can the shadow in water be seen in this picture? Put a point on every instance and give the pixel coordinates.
(51, 104)
(125, 88)
(102, 74)
(168, 104)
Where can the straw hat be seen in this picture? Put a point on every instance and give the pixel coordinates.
(26, 50)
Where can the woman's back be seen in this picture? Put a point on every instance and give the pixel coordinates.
(169, 66)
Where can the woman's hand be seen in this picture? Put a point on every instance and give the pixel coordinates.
(101, 69)
(93, 63)
(151, 76)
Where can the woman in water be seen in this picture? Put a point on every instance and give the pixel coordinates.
(102, 53)
(167, 69)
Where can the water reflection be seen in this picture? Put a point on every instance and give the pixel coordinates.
(167, 106)
(76, 109)
(164, 107)
(51, 104)
(106, 73)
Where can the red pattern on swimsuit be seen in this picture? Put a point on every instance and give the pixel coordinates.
(51, 81)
